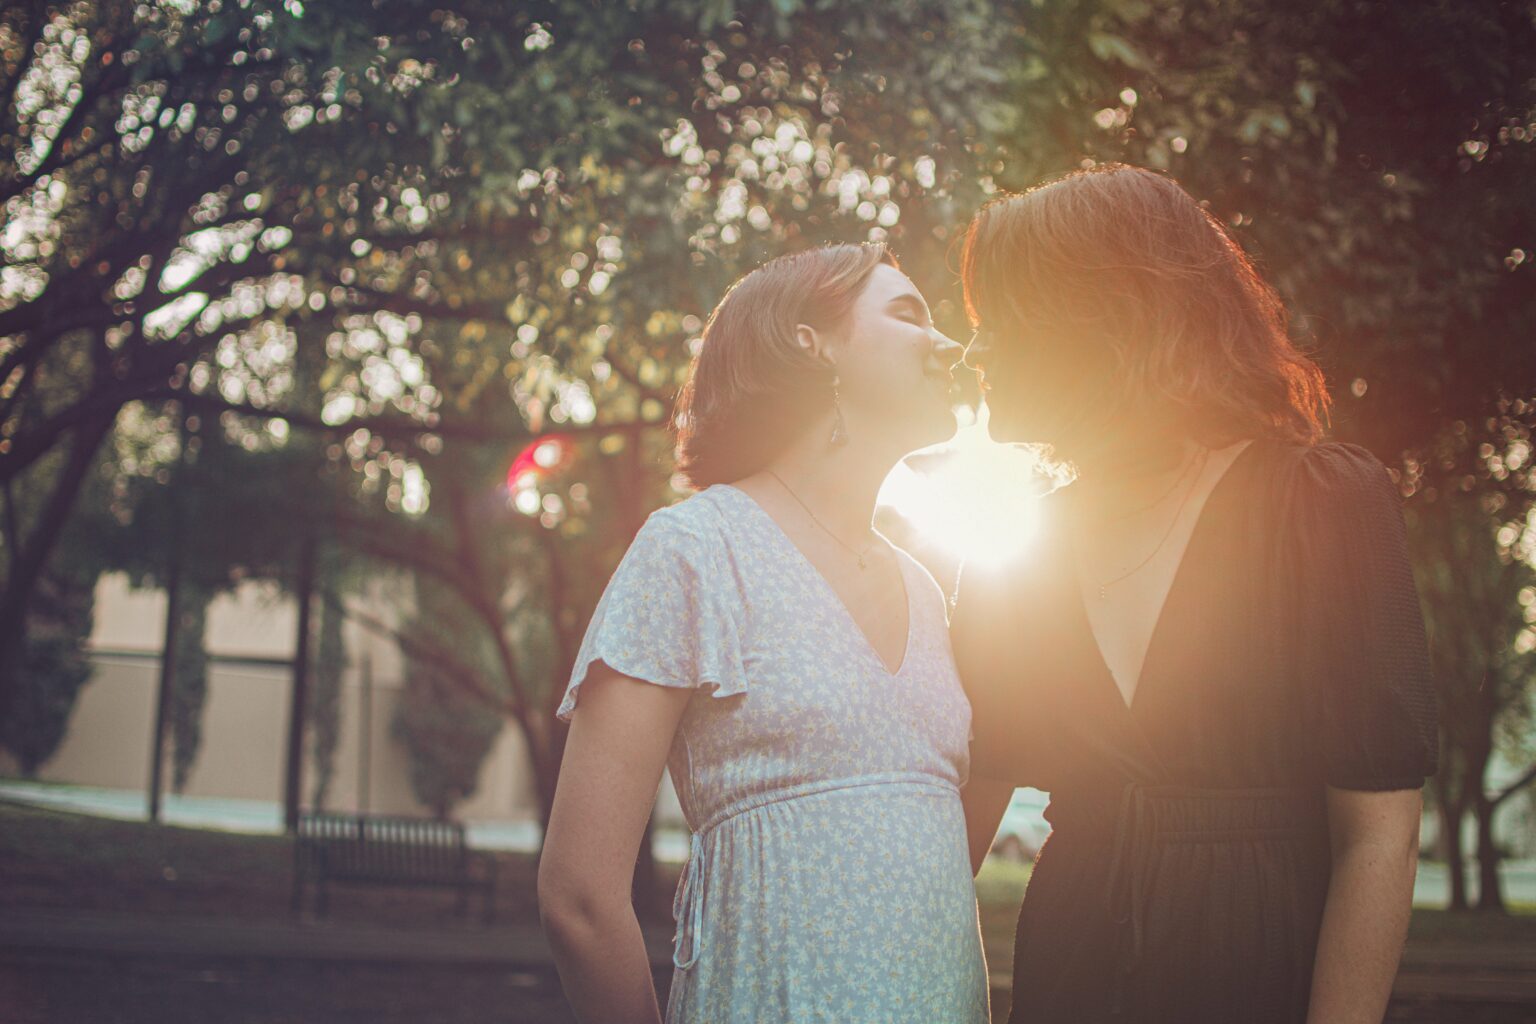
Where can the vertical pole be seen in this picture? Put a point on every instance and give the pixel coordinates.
(171, 638)
(298, 709)
(365, 744)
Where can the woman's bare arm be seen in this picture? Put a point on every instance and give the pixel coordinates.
(1375, 840)
(614, 758)
(984, 801)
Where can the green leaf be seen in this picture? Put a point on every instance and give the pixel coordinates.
(1109, 47)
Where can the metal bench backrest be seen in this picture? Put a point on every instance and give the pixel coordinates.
(378, 847)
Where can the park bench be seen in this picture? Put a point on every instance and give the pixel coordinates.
(374, 850)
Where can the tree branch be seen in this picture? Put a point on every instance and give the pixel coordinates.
(391, 425)
(427, 653)
(490, 610)
(12, 526)
(1515, 787)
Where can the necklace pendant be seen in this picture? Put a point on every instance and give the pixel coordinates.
(1103, 592)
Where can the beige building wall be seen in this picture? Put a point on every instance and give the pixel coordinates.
(245, 725)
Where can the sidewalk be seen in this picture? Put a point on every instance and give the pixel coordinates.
(1495, 972)
(516, 947)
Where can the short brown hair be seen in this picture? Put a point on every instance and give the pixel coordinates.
(1115, 285)
(752, 389)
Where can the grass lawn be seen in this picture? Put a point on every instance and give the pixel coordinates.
(57, 858)
(52, 858)
(999, 891)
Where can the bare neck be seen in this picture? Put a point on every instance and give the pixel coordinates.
(1135, 472)
(838, 485)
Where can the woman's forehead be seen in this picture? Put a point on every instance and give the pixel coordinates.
(887, 284)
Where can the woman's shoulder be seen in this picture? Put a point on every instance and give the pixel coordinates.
(1336, 473)
(695, 532)
(698, 519)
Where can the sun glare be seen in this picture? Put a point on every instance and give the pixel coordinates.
(971, 496)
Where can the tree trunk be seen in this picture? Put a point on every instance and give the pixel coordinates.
(1478, 753)
(1490, 896)
(168, 670)
(299, 698)
(25, 566)
(1456, 866)
(1453, 811)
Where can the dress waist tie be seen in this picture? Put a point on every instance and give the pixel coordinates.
(688, 906)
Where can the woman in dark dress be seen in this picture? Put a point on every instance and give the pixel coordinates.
(1213, 657)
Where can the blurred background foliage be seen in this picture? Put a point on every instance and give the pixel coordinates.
(417, 281)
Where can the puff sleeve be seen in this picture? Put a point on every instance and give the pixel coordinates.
(1362, 636)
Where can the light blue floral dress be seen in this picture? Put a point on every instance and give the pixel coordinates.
(828, 877)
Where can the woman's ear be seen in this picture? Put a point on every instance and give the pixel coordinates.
(808, 340)
(814, 343)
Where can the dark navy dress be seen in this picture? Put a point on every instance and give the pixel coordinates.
(1185, 875)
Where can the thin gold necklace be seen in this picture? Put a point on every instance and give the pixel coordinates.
(1178, 480)
(859, 554)
(1104, 585)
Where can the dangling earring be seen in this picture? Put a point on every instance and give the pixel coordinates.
(839, 428)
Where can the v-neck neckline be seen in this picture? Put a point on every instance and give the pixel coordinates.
(1196, 535)
(836, 599)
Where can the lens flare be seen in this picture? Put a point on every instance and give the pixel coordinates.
(974, 498)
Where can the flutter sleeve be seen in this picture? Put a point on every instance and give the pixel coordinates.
(1363, 629)
(670, 615)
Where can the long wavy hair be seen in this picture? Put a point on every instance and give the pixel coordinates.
(752, 390)
(1112, 291)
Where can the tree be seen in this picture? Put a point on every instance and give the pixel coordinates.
(54, 666)
(339, 181)
(155, 161)
(1474, 546)
(189, 692)
(446, 729)
(54, 663)
(635, 232)
(325, 699)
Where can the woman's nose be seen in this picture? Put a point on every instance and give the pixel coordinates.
(947, 350)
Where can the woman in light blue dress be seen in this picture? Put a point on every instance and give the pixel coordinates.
(792, 670)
